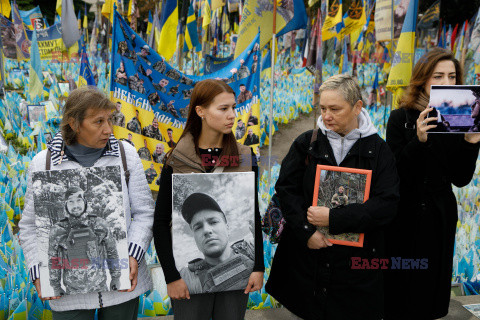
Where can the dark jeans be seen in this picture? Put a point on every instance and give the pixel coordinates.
(124, 311)
(228, 305)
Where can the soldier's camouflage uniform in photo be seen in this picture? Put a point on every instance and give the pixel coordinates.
(89, 243)
(118, 119)
(151, 132)
(208, 278)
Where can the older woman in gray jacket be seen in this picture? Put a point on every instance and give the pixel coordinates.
(86, 140)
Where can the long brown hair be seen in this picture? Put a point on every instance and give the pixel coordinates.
(203, 95)
(423, 71)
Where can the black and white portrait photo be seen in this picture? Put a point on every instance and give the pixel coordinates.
(81, 230)
(213, 230)
(457, 109)
(336, 187)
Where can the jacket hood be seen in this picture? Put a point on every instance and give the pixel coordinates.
(341, 145)
(365, 127)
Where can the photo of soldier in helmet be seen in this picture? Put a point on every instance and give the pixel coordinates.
(224, 266)
(144, 52)
(80, 249)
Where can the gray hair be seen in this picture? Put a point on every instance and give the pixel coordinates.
(344, 84)
(78, 102)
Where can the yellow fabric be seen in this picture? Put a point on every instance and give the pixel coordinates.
(250, 24)
(355, 19)
(328, 34)
(168, 36)
(207, 14)
(334, 17)
(130, 9)
(107, 9)
(35, 87)
(396, 97)
(217, 4)
(149, 27)
(401, 70)
(58, 7)
(5, 8)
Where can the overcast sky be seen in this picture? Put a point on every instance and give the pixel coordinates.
(456, 97)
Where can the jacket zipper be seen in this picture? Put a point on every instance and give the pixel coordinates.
(100, 300)
(342, 139)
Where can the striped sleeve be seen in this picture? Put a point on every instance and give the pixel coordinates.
(136, 251)
(34, 273)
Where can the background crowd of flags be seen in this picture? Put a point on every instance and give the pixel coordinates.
(331, 39)
(203, 26)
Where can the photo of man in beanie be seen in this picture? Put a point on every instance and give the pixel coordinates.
(224, 266)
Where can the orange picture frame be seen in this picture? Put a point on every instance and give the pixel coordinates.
(343, 174)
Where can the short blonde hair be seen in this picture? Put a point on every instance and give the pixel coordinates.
(346, 85)
(78, 102)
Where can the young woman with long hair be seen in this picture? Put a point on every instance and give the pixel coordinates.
(428, 165)
(207, 136)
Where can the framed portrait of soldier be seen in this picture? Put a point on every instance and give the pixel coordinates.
(213, 230)
(81, 231)
(336, 187)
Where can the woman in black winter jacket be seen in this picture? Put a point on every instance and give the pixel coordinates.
(311, 277)
(428, 164)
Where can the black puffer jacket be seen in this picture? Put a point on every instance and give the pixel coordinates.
(321, 284)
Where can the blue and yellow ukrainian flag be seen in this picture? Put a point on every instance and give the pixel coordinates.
(150, 22)
(354, 20)
(334, 17)
(107, 9)
(430, 16)
(85, 20)
(191, 35)
(41, 141)
(58, 7)
(5, 8)
(459, 44)
(21, 312)
(344, 67)
(131, 9)
(85, 77)
(442, 42)
(402, 63)
(206, 13)
(35, 83)
(168, 27)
